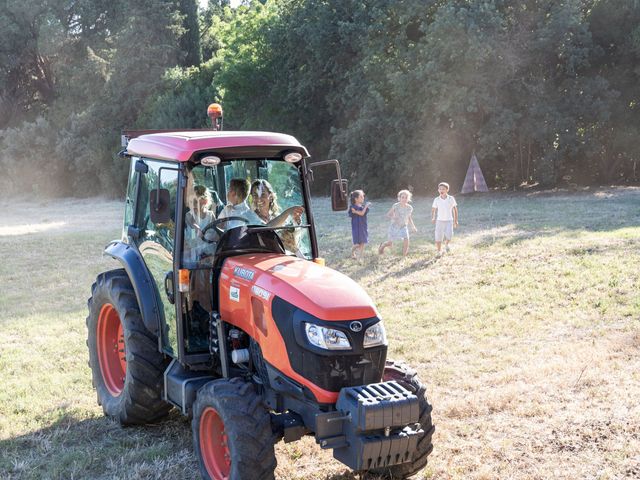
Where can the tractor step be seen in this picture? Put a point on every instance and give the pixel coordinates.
(182, 385)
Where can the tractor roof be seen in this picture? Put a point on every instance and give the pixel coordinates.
(182, 145)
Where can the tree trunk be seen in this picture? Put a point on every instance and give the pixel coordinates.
(528, 161)
(44, 81)
(517, 165)
(190, 40)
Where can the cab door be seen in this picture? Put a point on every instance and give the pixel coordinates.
(157, 240)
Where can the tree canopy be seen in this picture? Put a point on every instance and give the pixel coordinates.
(403, 92)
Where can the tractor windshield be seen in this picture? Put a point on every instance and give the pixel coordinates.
(260, 193)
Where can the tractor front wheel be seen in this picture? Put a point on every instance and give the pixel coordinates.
(232, 432)
(126, 366)
(408, 378)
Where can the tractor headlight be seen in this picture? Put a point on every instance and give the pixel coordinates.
(375, 335)
(327, 338)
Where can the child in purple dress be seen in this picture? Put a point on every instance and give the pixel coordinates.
(359, 231)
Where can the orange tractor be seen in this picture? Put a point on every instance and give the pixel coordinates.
(228, 314)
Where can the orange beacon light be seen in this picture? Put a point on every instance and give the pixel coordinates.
(214, 112)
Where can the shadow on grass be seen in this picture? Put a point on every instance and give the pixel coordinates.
(74, 447)
(347, 475)
(392, 262)
(511, 238)
(415, 266)
(550, 213)
(511, 234)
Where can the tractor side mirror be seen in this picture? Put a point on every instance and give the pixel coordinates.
(141, 167)
(169, 286)
(339, 189)
(159, 203)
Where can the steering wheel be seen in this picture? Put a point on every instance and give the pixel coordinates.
(214, 224)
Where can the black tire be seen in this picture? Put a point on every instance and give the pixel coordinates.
(132, 395)
(408, 378)
(232, 413)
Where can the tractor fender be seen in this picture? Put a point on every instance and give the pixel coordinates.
(143, 284)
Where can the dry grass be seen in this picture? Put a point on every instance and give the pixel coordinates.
(528, 336)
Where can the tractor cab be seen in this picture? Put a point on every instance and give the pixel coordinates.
(196, 198)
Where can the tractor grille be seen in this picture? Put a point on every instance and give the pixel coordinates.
(334, 372)
(329, 370)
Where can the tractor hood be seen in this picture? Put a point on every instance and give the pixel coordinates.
(319, 290)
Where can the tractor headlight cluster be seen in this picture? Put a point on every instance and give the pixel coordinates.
(327, 338)
(375, 335)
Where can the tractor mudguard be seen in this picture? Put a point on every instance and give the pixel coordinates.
(142, 282)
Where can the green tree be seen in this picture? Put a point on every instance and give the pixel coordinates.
(190, 39)
(545, 92)
(101, 82)
(184, 98)
(615, 27)
(27, 79)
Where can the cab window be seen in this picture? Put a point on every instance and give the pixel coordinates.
(161, 177)
(203, 202)
(275, 187)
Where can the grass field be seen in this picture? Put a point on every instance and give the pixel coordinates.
(527, 335)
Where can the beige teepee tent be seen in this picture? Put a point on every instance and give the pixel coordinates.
(474, 180)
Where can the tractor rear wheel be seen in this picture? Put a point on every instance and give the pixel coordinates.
(126, 366)
(408, 378)
(232, 432)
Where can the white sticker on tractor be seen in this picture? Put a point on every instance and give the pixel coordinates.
(234, 294)
(261, 292)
